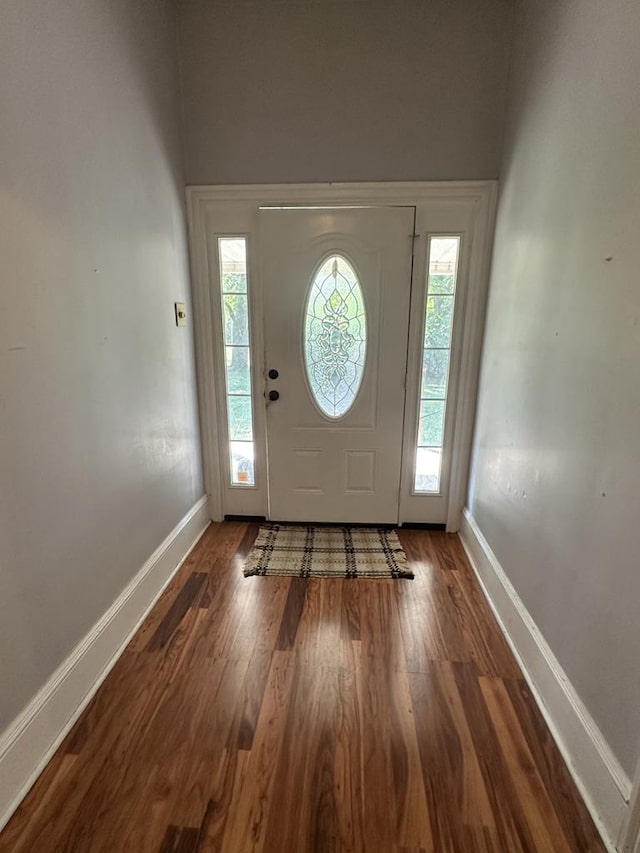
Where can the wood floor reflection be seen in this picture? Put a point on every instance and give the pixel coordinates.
(292, 715)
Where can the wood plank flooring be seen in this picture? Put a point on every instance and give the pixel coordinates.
(296, 715)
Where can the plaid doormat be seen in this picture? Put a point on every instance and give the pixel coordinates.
(327, 552)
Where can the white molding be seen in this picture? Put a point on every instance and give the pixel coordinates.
(629, 841)
(602, 782)
(204, 204)
(204, 351)
(382, 192)
(467, 393)
(28, 744)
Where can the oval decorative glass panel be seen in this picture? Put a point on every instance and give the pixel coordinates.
(335, 336)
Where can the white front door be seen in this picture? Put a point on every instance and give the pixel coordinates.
(336, 292)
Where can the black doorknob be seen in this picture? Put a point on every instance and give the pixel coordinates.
(273, 374)
(274, 395)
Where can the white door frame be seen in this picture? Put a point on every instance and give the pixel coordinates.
(232, 210)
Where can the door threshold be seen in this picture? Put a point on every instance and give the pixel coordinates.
(383, 525)
(245, 518)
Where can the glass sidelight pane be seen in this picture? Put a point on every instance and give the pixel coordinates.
(242, 472)
(238, 370)
(236, 319)
(235, 330)
(435, 374)
(239, 410)
(431, 423)
(428, 465)
(442, 284)
(442, 274)
(233, 281)
(437, 331)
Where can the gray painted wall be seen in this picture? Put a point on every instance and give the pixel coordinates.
(557, 450)
(99, 450)
(343, 91)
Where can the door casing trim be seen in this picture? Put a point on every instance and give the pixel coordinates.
(204, 202)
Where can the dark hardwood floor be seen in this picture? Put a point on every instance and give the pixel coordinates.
(310, 716)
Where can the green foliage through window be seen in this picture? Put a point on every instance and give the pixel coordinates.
(235, 328)
(436, 358)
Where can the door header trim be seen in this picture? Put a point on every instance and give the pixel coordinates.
(381, 193)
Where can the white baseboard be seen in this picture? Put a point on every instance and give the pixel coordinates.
(31, 740)
(602, 782)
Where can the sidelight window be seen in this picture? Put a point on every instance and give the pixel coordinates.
(232, 252)
(442, 273)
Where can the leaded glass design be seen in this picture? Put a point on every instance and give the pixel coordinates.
(335, 336)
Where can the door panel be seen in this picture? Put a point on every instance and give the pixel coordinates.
(325, 463)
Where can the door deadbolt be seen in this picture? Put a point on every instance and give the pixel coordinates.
(273, 374)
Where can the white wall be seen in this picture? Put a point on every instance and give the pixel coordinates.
(99, 450)
(556, 463)
(343, 90)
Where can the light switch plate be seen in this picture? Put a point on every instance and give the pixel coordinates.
(181, 313)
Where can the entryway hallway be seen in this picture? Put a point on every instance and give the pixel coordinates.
(290, 715)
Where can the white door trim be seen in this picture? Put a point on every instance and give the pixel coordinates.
(206, 204)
